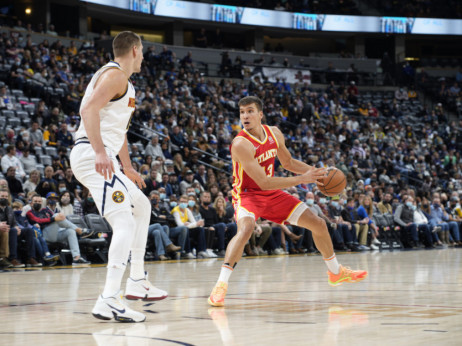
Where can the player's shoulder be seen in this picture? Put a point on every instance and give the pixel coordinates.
(241, 142)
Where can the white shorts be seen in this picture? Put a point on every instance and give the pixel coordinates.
(110, 195)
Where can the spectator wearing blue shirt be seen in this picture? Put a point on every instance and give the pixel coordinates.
(442, 219)
(364, 212)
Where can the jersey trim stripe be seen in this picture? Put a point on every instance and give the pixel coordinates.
(256, 139)
(290, 214)
(120, 97)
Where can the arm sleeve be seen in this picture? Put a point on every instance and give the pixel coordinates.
(191, 219)
(397, 216)
(35, 219)
(178, 221)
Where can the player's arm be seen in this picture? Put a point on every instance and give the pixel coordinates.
(111, 84)
(284, 156)
(243, 152)
(129, 171)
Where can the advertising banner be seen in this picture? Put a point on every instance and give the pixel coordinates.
(288, 20)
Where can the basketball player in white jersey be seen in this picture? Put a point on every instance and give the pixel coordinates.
(106, 111)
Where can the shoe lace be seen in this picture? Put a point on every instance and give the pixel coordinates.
(220, 290)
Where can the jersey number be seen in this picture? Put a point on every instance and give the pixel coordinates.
(269, 171)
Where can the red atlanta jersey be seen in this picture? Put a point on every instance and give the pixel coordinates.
(265, 153)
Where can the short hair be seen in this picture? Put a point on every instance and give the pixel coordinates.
(124, 41)
(248, 100)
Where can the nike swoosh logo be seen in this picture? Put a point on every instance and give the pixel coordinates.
(146, 288)
(120, 311)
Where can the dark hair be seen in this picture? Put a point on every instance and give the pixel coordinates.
(10, 148)
(248, 100)
(71, 196)
(124, 41)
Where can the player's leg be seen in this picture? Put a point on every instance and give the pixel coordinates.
(245, 227)
(303, 217)
(138, 285)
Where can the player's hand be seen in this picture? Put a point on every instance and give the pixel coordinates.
(104, 165)
(313, 175)
(135, 177)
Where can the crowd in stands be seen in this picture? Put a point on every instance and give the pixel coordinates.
(404, 181)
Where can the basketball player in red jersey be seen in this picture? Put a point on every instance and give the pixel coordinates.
(256, 193)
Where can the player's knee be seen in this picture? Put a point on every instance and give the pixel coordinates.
(319, 225)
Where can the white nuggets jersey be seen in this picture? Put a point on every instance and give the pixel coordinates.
(115, 117)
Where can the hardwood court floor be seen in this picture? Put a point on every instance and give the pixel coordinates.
(409, 298)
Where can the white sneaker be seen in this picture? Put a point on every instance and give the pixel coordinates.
(279, 251)
(114, 307)
(374, 247)
(189, 255)
(376, 241)
(211, 253)
(202, 254)
(144, 290)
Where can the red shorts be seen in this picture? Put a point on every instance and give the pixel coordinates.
(272, 205)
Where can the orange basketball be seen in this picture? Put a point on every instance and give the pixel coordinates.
(334, 182)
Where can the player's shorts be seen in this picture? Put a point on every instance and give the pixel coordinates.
(110, 195)
(273, 205)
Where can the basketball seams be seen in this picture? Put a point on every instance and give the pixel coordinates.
(331, 191)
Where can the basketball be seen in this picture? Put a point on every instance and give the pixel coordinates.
(334, 182)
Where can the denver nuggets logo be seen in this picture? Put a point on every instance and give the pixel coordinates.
(131, 102)
(118, 197)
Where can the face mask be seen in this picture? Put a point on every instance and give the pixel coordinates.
(37, 206)
(52, 203)
(191, 203)
(425, 206)
(191, 194)
(344, 202)
(145, 172)
(155, 201)
(3, 202)
(334, 204)
(90, 200)
(414, 207)
(62, 189)
(162, 196)
(17, 212)
(173, 204)
(197, 191)
(65, 200)
(409, 204)
(310, 201)
(183, 205)
(322, 200)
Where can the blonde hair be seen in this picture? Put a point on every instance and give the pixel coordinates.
(124, 42)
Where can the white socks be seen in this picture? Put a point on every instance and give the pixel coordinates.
(113, 280)
(225, 273)
(137, 264)
(332, 264)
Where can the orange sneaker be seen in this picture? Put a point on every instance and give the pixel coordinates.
(346, 275)
(217, 297)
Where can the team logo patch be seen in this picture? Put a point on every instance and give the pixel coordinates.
(118, 197)
(271, 140)
(131, 102)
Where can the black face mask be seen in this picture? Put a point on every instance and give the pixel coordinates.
(425, 206)
(3, 202)
(37, 206)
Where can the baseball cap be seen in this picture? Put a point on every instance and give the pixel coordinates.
(52, 195)
(336, 198)
(360, 181)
